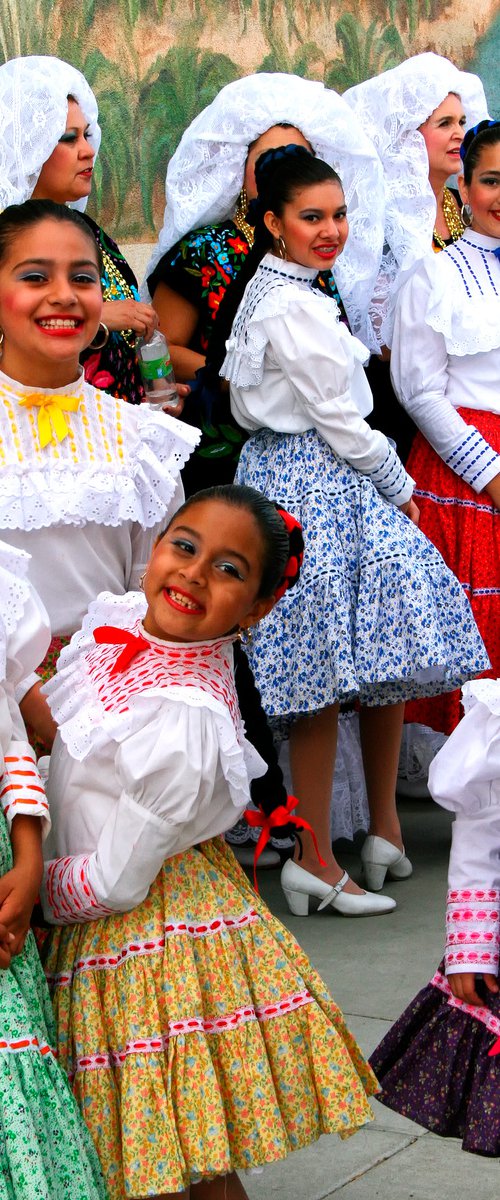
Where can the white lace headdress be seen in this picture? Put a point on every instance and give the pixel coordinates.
(33, 112)
(390, 107)
(205, 174)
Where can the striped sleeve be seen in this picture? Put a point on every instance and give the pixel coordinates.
(21, 788)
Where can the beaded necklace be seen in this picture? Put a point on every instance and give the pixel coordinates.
(116, 288)
(453, 220)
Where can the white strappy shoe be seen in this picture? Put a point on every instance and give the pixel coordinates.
(299, 885)
(380, 858)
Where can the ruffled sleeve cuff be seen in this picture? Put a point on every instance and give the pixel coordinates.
(474, 461)
(21, 788)
(68, 895)
(391, 479)
(472, 930)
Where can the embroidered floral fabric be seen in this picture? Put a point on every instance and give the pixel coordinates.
(259, 1058)
(45, 1149)
(115, 368)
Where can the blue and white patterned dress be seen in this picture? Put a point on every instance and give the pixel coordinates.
(376, 614)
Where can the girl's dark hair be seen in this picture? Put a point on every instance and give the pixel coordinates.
(279, 174)
(486, 133)
(272, 527)
(17, 217)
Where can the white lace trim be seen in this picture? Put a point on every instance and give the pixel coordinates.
(390, 107)
(33, 111)
(86, 725)
(118, 463)
(464, 295)
(272, 292)
(205, 174)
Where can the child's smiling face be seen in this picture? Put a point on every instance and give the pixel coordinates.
(50, 302)
(205, 573)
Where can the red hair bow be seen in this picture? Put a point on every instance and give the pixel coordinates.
(283, 815)
(296, 542)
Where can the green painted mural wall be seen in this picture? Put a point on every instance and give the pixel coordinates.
(155, 63)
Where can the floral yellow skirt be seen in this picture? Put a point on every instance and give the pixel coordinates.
(197, 1035)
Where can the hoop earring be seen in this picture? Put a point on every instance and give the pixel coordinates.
(2, 335)
(467, 215)
(98, 345)
(280, 242)
(141, 581)
(245, 635)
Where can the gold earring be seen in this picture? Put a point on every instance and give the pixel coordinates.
(242, 204)
(141, 581)
(98, 345)
(280, 242)
(245, 636)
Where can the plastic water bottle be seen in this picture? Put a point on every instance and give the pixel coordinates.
(158, 373)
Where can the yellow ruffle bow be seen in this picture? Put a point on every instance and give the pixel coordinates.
(52, 424)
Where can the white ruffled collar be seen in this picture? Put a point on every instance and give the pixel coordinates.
(293, 271)
(464, 297)
(481, 240)
(189, 647)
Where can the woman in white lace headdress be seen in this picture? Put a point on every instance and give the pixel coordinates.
(48, 142)
(417, 115)
(205, 237)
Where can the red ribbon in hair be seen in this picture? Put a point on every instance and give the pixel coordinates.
(110, 635)
(292, 567)
(283, 815)
(495, 1049)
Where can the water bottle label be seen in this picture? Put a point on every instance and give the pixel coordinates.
(158, 368)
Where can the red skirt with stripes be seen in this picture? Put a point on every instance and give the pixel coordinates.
(465, 528)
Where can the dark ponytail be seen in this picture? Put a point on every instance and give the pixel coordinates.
(279, 174)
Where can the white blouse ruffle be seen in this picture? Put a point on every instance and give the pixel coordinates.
(120, 463)
(463, 294)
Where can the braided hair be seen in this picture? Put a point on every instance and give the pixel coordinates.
(486, 133)
(279, 174)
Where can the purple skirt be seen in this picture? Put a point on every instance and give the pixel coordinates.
(434, 1066)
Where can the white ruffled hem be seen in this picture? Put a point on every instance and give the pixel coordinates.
(63, 493)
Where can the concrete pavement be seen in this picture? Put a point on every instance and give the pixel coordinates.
(373, 966)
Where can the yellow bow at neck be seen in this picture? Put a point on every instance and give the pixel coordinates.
(52, 424)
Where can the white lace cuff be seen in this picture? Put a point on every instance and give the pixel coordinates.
(474, 460)
(21, 788)
(68, 895)
(472, 930)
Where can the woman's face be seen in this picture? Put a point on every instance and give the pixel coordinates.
(313, 225)
(67, 174)
(276, 136)
(483, 192)
(443, 134)
(50, 303)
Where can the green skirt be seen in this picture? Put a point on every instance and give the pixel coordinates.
(46, 1152)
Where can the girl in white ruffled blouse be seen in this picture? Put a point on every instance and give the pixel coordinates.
(198, 1036)
(446, 366)
(85, 480)
(376, 615)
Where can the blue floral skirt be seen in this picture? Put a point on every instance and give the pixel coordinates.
(376, 614)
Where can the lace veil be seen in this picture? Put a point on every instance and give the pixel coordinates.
(205, 174)
(33, 113)
(390, 107)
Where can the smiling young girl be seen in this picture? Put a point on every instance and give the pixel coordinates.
(376, 615)
(198, 1037)
(85, 481)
